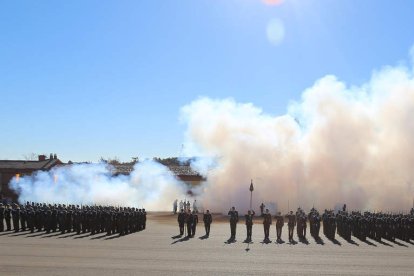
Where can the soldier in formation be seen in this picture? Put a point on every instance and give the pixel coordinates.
(291, 224)
(280, 221)
(234, 218)
(267, 221)
(207, 222)
(72, 218)
(181, 218)
(249, 224)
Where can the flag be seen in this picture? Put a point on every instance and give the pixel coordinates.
(251, 186)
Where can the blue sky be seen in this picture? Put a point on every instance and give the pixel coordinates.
(87, 79)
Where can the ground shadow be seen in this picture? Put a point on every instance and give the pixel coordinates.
(84, 236)
(304, 240)
(99, 237)
(266, 241)
(18, 234)
(113, 237)
(293, 242)
(351, 241)
(6, 233)
(319, 240)
(37, 235)
(186, 238)
(384, 243)
(368, 242)
(67, 236)
(398, 243)
(229, 241)
(176, 237)
(335, 241)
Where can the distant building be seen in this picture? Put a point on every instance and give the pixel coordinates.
(19, 168)
(182, 172)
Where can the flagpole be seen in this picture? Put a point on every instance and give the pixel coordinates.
(251, 193)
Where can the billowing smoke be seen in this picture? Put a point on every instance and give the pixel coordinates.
(150, 185)
(338, 144)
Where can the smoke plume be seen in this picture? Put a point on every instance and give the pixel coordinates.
(150, 185)
(338, 144)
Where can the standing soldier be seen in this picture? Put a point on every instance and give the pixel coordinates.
(194, 224)
(249, 224)
(144, 219)
(267, 221)
(7, 217)
(262, 206)
(189, 221)
(291, 224)
(234, 218)
(181, 221)
(23, 217)
(16, 218)
(279, 224)
(1, 217)
(207, 222)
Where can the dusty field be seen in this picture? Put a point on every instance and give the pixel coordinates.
(157, 251)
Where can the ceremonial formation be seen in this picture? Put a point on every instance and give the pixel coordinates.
(71, 218)
(376, 226)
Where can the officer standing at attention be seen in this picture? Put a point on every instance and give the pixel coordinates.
(267, 221)
(189, 221)
(16, 218)
(249, 224)
(234, 218)
(291, 224)
(207, 222)
(7, 217)
(181, 221)
(194, 223)
(280, 221)
(1, 217)
(262, 206)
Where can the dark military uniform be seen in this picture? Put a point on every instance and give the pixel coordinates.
(194, 223)
(249, 224)
(16, 218)
(291, 225)
(207, 218)
(267, 221)
(1, 217)
(189, 222)
(234, 218)
(7, 217)
(280, 221)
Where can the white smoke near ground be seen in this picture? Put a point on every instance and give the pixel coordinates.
(150, 185)
(338, 144)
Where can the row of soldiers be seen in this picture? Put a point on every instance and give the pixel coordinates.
(376, 226)
(72, 218)
(190, 219)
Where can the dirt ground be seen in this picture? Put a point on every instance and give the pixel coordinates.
(158, 251)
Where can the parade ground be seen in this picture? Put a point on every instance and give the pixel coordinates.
(158, 251)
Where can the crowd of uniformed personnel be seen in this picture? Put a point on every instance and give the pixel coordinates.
(346, 224)
(71, 218)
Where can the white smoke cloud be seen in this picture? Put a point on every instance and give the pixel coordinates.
(150, 185)
(338, 144)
